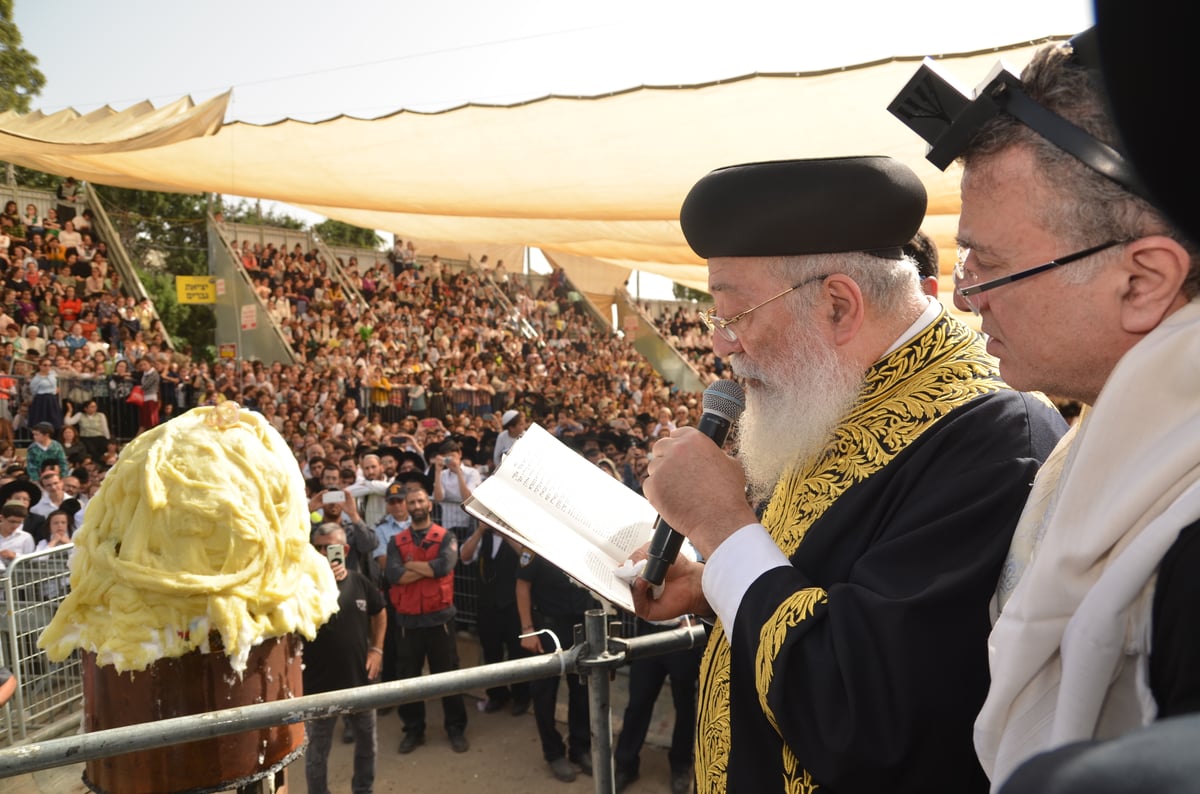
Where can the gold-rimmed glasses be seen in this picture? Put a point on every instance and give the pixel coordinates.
(720, 325)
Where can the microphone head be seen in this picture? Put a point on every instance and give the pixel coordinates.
(725, 398)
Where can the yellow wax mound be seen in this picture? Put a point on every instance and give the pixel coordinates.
(201, 525)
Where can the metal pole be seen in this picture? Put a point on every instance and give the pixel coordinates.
(177, 730)
(597, 664)
(115, 741)
(665, 641)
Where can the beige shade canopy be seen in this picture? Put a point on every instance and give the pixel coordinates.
(586, 179)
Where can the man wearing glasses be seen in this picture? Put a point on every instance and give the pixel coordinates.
(850, 648)
(1085, 290)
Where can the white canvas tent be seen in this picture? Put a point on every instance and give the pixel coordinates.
(596, 182)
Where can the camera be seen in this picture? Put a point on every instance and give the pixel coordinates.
(333, 497)
(445, 460)
(336, 553)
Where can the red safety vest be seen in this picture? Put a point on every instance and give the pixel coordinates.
(427, 595)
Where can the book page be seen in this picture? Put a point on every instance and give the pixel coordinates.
(582, 561)
(551, 499)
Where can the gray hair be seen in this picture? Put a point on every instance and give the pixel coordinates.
(329, 529)
(886, 284)
(1090, 208)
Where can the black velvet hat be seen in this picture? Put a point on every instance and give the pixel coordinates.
(388, 450)
(1149, 67)
(408, 455)
(799, 207)
(425, 480)
(401, 455)
(20, 484)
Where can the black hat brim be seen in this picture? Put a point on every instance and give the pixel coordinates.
(10, 488)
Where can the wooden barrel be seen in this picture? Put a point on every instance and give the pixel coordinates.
(193, 684)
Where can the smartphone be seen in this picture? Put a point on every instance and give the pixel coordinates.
(333, 497)
(336, 553)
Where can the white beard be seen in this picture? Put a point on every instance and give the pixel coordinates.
(791, 410)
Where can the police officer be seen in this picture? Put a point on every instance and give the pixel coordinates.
(547, 599)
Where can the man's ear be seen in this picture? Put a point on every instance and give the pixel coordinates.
(1154, 270)
(846, 307)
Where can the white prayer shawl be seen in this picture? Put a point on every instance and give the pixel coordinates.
(1069, 651)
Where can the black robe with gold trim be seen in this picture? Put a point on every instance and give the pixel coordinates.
(862, 666)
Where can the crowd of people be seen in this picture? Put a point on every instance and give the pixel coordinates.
(424, 344)
(428, 372)
(918, 577)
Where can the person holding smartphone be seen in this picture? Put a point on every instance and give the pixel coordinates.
(335, 504)
(453, 481)
(347, 652)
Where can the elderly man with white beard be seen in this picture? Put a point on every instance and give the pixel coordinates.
(891, 463)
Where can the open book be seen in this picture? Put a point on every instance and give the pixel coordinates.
(550, 499)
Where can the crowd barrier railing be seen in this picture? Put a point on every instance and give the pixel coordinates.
(49, 694)
(595, 655)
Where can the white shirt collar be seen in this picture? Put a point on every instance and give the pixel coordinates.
(933, 310)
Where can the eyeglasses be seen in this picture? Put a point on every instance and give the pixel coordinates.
(720, 325)
(965, 280)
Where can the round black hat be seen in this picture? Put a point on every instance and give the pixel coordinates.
(800, 207)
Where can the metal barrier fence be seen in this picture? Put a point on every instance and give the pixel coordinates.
(109, 392)
(466, 586)
(595, 655)
(49, 694)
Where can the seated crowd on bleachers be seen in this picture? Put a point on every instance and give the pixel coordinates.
(426, 361)
(426, 356)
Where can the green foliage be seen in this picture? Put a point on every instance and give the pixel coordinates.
(338, 233)
(190, 324)
(30, 178)
(688, 294)
(173, 225)
(252, 213)
(20, 79)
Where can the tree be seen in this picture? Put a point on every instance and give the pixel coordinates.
(20, 79)
(246, 212)
(39, 179)
(174, 226)
(688, 294)
(337, 233)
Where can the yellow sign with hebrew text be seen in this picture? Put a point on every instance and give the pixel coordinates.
(196, 289)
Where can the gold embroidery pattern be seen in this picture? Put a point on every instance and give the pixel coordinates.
(941, 369)
(905, 393)
(791, 612)
(798, 781)
(712, 728)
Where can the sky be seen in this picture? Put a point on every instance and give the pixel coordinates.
(312, 60)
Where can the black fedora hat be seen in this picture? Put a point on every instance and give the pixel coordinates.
(20, 484)
(406, 477)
